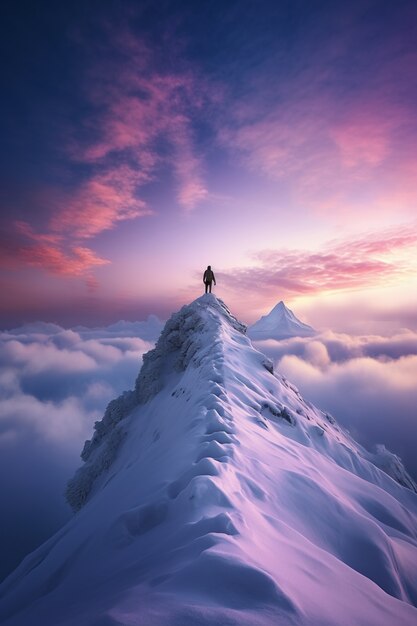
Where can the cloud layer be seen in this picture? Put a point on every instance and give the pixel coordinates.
(367, 382)
(54, 383)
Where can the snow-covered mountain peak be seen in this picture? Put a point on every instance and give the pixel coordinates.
(213, 493)
(280, 323)
(280, 307)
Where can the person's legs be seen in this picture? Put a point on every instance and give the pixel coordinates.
(206, 284)
(209, 285)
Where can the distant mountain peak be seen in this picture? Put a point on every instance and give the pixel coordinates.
(280, 323)
(281, 304)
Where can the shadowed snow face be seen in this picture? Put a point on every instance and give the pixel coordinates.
(54, 384)
(367, 382)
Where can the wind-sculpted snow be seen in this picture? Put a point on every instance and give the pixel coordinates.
(179, 343)
(227, 499)
(392, 465)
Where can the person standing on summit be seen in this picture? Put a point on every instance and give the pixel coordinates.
(208, 278)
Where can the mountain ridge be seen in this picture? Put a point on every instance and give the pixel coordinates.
(224, 498)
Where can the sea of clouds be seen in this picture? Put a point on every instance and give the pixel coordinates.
(55, 382)
(369, 383)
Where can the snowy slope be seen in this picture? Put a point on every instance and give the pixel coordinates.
(280, 323)
(214, 494)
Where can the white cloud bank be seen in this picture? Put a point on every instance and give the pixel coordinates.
(369, 383)
(54, 383)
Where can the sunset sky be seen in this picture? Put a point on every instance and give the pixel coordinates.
(142, 141)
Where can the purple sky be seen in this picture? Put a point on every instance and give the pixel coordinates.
(276, 142)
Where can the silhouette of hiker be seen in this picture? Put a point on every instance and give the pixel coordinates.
(208, 278)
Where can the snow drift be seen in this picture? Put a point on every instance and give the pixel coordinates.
(213, 493)
(280, 323)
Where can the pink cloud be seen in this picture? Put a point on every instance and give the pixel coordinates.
(392, 239)
(74, 263)
(140, 106)
(191, 193)
(339, 265)
(100, 203)
(364, 132)
(25, 230)
(188, 168)
(361, 142)
(330, 149)
(22, 247)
